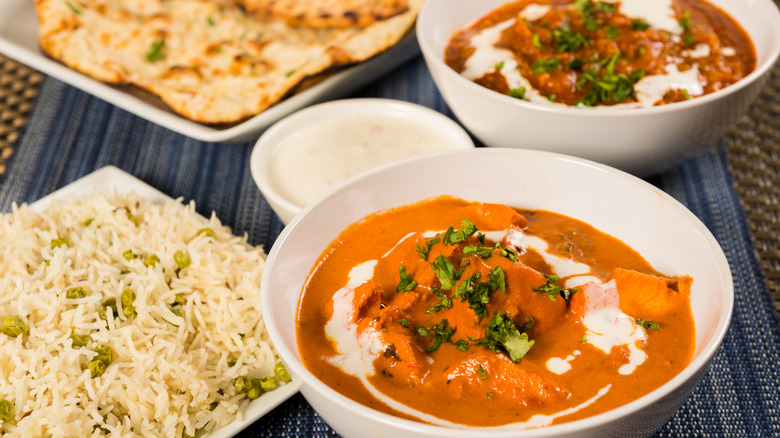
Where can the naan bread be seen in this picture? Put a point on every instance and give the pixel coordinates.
(327, 13)
(206, 59)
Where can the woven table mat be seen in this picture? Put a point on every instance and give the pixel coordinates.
(18, 88)
(753, 146)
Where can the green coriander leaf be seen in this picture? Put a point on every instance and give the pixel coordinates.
(445, 302)
(446, 273)
(211, 21)
(517, 93)
(404, 323)
(497, 280)
(639, 24)
(73, 8)
(553, 290)
(576, 64)
(467, 230)
(685, 21)
(536, 42)
(651, 325)
(510, 254)
(612, 32)
(407, 283)
(688, 38)
(501, 335)
(440, 333)
(154, 54)
(483, 375)
(567, 40)
(545, 65)
(604, 7)
(499, 65)
(478, 250)
(427, 247)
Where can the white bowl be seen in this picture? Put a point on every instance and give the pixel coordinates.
(669, 236)
(451, 134)
(642, 141)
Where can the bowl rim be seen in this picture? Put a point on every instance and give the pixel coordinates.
(698, 364)
(436, 61)
(266, 144)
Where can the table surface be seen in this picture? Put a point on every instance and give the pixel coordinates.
(751, 151)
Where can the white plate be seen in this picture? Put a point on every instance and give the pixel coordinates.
(19, 40)
(113, 180)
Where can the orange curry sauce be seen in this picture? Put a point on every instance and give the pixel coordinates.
(467, 379)
(589, 53)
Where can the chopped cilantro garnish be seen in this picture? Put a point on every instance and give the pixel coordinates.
(553, 290)
(497, 280)
(461, 345)
(467, 230)
(210, 21)
(688, 38)
(576, 64)
(446, 273)
(404, 323)
(685, 94)
(508, 253)
(440, 334)
(639, 24)
(155, 52)
(483, 375)
(478, 250)
(652, 325)
(607, 86)
(289, 73)
(502, 335)
(427, 247)
(685, 21)
(73, 8)
(445, 302)
(477, 293)
(612, 32)
(518, 92)
(544, 65)
(567, 40)
(584, 338)
(536, 42)
(407, 283)
(499, 65)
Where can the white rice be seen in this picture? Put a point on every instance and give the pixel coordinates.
(163, 379)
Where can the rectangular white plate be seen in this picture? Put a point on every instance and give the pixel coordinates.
(19, 40)
(113, 180)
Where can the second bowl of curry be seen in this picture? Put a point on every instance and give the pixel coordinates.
(641, 85)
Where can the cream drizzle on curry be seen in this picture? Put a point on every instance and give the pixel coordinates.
(619, 54)
(466, 314)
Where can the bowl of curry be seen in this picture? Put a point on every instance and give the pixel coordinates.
(641, 85)
(534, 294)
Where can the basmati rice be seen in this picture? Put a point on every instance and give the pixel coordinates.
(170, 374)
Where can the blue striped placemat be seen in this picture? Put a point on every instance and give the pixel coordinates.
(71, 134)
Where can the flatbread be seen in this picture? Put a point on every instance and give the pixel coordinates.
(327, 13)
(208, 60)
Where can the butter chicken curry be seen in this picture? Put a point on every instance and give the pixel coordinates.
(467, 314)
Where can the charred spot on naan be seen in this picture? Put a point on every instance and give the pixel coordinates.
(326, 13)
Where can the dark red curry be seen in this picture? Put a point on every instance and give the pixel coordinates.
(588, 53)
